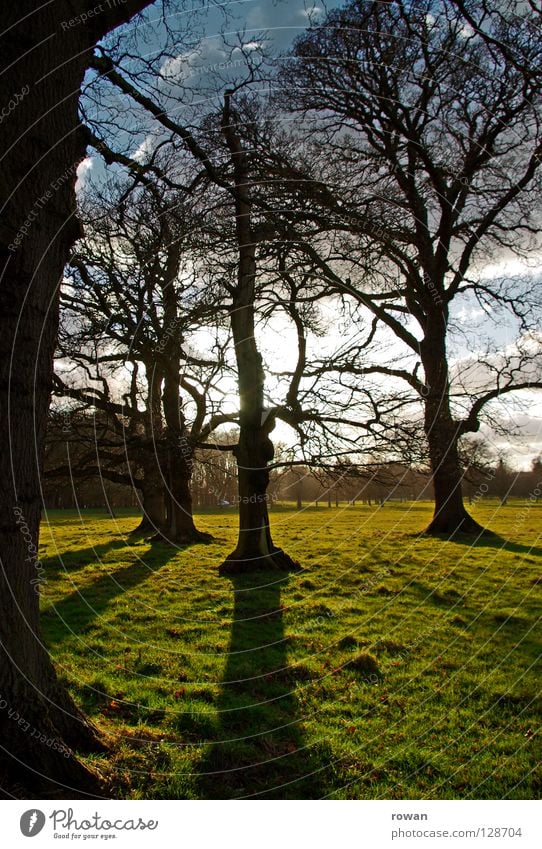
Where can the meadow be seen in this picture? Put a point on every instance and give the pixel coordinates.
(392, 666)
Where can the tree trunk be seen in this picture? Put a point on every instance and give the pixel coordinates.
(450, 516)
(154, 509)
(44, 67)
(179, 528)
(255, 548)
(152, 500)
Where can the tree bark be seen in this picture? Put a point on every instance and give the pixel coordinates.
(179, 528)
(255, 548)
(152, 498)
(45, 64)
(442, 432)
(154, 510)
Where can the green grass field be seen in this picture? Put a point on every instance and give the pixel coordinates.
(393, 666)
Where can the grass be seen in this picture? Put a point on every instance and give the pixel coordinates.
(393, 666)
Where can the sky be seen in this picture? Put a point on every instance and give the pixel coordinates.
(275, 24)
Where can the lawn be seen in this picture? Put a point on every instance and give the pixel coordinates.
(391, 667)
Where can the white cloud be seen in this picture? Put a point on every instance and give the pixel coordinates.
(142, 153)
(513, 267)
(83, 170)
(203, 58)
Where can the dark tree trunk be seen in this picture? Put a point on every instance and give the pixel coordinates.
(154, 509)
(152, 496)
(442, 431)
(179, 528)
(44, 66)
(255, 548)
(152, 499)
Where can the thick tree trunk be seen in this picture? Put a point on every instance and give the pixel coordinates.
(152, 498)
(154, 509)
(255, 548)
(152, 501)
(450, 516)
(44, 65)
(179, 528)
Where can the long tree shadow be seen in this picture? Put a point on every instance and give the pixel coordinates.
(77, 558)
(491, 540)
(76, 611)
(261, 750)
(509, 545)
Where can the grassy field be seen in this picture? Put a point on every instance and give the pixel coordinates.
(393, 666)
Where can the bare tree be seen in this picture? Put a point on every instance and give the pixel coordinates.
(236, 246)
(131, 307)
(434, 172)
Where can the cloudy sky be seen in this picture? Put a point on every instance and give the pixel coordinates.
(195, 62)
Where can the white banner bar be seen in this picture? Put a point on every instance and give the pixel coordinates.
(274, 825)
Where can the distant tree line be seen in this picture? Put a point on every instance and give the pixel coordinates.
(73, 480)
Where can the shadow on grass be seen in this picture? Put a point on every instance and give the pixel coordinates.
(486, 540)
(502, 544)
(76, 611)
(74, 559)
(261, 750)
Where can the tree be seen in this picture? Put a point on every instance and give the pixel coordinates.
(75, 474)
(131, 303)
(246, 245)
(219, 148)
(503, 480)
(45, 60)
(435, 171)
(255, 449)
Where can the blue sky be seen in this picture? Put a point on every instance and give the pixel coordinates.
(193, 61)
